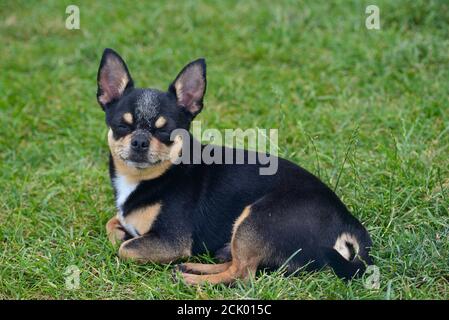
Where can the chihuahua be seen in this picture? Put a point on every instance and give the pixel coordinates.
(167, 211)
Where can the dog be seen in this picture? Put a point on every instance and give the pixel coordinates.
(168, 211)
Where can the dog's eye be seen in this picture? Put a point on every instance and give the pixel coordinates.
(162, 135)
(122, 127)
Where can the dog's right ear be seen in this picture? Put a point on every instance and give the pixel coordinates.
(113, 78)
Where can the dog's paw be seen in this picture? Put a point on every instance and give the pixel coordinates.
(181, 272)
(177, 272)
(184, 268)
(179, 268)
(178, 275)
(116, 233)
(117, 236)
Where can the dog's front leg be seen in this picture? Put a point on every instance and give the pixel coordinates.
(116, 233)
(152, 248)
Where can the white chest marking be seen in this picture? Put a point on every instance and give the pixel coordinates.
(124, 189)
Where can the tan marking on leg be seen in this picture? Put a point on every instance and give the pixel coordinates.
(150, 248)
(205, 268)
(241, 218)
(224, 277)
(127, 253)
(128, 118)
(245, 240)
(160, 122)
(114, 231)
(143, 219)
(342, 247)
(234, 272)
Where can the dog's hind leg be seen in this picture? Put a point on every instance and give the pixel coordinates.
(223, 255)
(201, 268)
(247, 252)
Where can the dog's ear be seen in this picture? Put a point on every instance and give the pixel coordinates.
(113, 78)
(190, 86)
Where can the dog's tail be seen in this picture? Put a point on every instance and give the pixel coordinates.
(350, 255)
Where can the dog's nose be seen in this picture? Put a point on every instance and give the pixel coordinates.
(140, 143)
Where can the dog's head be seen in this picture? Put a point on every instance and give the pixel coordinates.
(141, 120)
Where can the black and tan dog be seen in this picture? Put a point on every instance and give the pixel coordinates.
(171, 211)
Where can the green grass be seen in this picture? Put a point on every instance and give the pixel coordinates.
(367, 110)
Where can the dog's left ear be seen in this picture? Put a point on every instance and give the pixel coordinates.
(113, 78)
(190, 86)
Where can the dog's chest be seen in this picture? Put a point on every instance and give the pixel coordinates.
(139, 221)
(123, 189)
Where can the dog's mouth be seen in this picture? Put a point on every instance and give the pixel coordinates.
(141, 164)
(142, 160)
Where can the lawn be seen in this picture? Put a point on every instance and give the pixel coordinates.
(366, 110)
